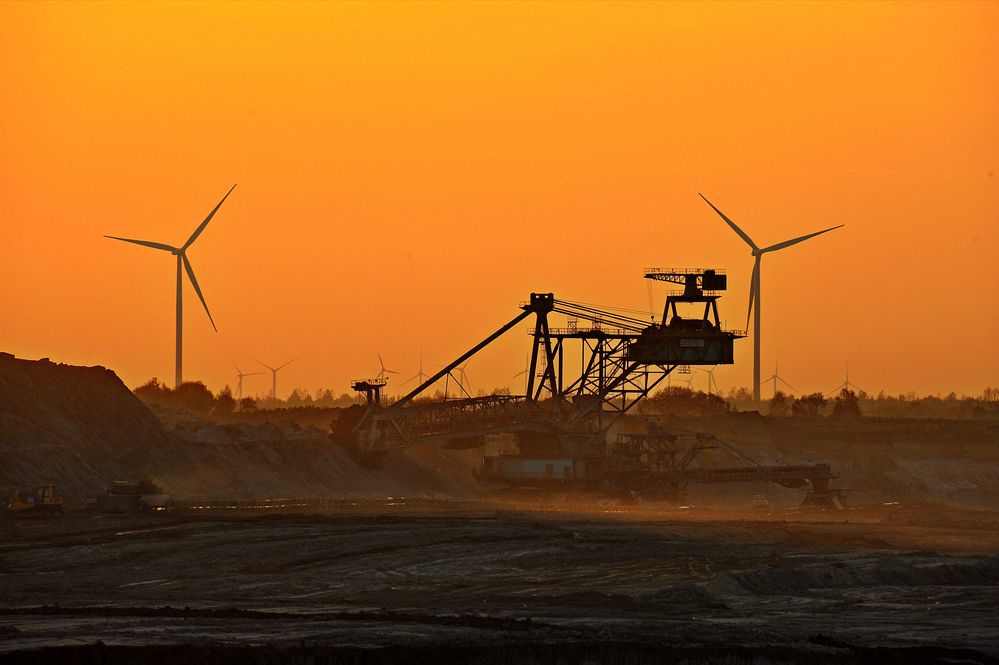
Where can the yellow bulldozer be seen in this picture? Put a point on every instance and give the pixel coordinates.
(41, 500)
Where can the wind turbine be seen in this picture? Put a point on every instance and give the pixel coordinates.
(384, 370)
(181, 254)
(239, 384)
(712, 384)
(524, 372)
(754, 285)
(846, 383)
(777, 377)
(689, 381)
(463, 378)
(274, 371)
(419, 375)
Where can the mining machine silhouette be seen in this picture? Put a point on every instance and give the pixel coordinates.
(582, 379)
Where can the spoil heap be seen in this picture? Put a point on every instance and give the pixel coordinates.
(78, 427)
(81, 428)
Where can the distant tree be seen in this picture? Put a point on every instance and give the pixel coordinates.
(154, 392)
(846, 404)
(742, 394)
(299, 397)
(247, 404)
(195, 397)
(679, 401)
(225, 404)
(808, 406)
(780, 405)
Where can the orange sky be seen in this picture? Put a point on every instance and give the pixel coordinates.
(409, 172)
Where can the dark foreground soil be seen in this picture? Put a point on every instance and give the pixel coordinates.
(501, 587)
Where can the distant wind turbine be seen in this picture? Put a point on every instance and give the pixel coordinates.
(274, 371)
(754, 285)
(384, 370)
(463, 378)
(712, 384)
(239, 383)
(846, 384)
(524, 372)
(181, 254)
(419, 375)
(777, 377)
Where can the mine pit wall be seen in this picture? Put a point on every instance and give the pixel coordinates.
(950, 462)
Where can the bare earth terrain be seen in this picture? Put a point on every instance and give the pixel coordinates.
(908, 574)
(889, 585)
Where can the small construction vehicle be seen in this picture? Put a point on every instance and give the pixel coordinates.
(41, 500)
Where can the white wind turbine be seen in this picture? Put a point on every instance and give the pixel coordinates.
(524, 372)
(419, 375)
(384, 370)
(712, 384)
(846, 384)
(463, 378)
(239, 383)
(754, 285)
(777, 377)
(274, 371)
(181, 254)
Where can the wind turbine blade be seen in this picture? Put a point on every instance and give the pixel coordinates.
(264, 364)
(253, 374)
(197, 289)
(197, 231)
(390, 371)
(795, 241)
(238, 370)
(742, 234)
(286, 364)
(146, 243)
(752, 290)
(787, 384)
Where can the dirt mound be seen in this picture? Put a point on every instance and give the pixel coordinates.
(81, 427)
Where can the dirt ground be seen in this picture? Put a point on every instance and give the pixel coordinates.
(886, 584)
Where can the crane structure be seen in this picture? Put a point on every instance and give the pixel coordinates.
(582, 378)
(568, 406)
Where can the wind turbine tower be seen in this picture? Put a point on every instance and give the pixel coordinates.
(183, 262)
(274, 371)
(754, 285)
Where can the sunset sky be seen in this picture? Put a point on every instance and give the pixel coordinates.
(408, 173)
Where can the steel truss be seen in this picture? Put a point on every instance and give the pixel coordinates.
(622, 359)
